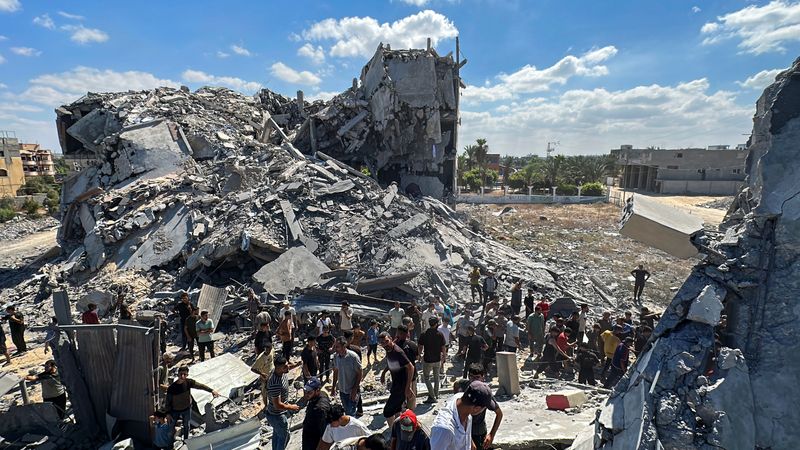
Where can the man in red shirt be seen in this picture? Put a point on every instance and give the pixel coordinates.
(545, 307)
(90, 316)
(563, 339)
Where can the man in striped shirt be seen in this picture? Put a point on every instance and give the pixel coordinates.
(277, 407)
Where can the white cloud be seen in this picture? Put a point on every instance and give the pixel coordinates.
(760, 80)
(286, 73)
(221, 54)
(594, 121)
(3, 86)
(70, 16)
(239, 50)
(25, 51)
(83, 35)
(360, 36)
(196, 76)
(321, 95)
(529, 79)
(44, 21)
(314, 54)
(417, 3)
(696, 9)
(59, 88)
(15, 107)
(2, 59)
(759, 29)
(2, 38)
(10, 5)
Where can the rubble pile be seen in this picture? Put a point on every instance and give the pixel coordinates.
(20, 227)
(720, 371)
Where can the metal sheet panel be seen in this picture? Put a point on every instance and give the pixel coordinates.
(225, 374)
(62, 308)
(212, 299)
(132, 396)
(8, 382)
(97, 354)
(242, 436)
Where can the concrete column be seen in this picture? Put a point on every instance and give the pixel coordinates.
(530, 188)
(642, 175)
(23, 389)
(481, 191)
(508, 373)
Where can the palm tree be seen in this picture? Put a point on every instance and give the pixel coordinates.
(481, 150)
(469, 156)
(507, 164)
(553, 168)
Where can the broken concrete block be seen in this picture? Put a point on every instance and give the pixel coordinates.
(150, 150)
(658, 225)
(707, 307)
(92, 128)
(103, 300)
(508, 373)
(296, 268)
(562, 400)
(408, 226)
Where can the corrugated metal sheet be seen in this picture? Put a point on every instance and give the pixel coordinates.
(8, 381)
(242, 436)
(314, 300)
(132, 395)
(97, 354)
(62, 308)
(225, 374)
(212, 299)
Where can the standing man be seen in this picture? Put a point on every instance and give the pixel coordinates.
(286, 334)
(205, 341)
(402, 375)
(535, 326)
(411, 349)
(544, 306)
(415, 314)
(179, 399)
(282, 313)
(90, 317)
(372, 340)
(582, 316)
(516, 298)
(324, 321)
(190, 331)
(489, 289)
(605, 322)
(474, 348)
(253, 305)
(426, 316)
(481, 437)
(619, 363)
(324, 349)
(611, 341)
(433, 348)
(512, 334)
(462, 331)
(52, 389)
(347, 375)
(309, 358)
(278, 405)
(16, 326)
(346, 317)
(452, 427)
(262, 338)
(184, 310)
(4, 347)
(640, 276)
(475, 284)
(396, 315)
(262, 317)
(263, 367)
(529, 301)
(318, 404)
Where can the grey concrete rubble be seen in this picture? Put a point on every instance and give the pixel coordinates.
(684, 393)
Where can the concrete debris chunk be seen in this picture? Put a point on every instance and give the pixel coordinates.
(409, 225)
(707, 307)
(660, 226)
(297, 268)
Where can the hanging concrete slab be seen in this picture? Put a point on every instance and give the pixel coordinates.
(661, 226)
(296, 268)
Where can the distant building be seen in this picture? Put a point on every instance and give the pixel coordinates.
(12, 175)
(717, 170)
(37, 161)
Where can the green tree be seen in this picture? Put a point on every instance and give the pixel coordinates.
(508, 167)
(553, 168)
(31, 207)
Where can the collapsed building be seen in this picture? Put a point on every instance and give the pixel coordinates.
(689, 390)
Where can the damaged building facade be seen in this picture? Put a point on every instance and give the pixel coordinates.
(720, 370)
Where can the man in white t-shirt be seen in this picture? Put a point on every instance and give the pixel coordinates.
(444, 328)
(341, 427)
(511, 342)
(286, 307)
(324, 321)
(396, 315)
(452, 427)
(429, 312)
(346, 316)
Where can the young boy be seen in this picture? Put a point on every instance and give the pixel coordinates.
(161, 431)
(586, 360)
(372, 340)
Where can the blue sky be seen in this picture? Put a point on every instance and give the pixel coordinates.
(589, 74)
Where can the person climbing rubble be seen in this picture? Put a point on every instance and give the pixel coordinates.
(179, 399)
(475, 284)
(53, 390)
(184, 309)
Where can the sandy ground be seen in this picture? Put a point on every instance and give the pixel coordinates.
(689, 204)
(28, 247)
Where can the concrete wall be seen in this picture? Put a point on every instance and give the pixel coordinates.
(689, 158)
(700, 187)
(527, 199)
(11, 165)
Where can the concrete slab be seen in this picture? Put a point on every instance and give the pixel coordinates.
(566, 399)
(226, 373)
(163, 244)
(296, 268)
(660, 226)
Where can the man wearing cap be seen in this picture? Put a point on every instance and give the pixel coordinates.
(340, 427)
(452, 428)
(347, 375)
(402, 371)
(433, 348)
(346, 317)
(619, 363)
(480, 436)
(179, 399)
(408, 433)
(278, 405)
(52, 389)
(318, 404)
(282, 313)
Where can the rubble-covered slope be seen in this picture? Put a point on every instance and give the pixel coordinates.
(187, 182)
(721, 370)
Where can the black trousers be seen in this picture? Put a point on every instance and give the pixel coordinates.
(637, 290)
(190, 345)
(18, 338)
(586, 376)
(59, 402)
(325, 365)
(203, 346)
(478, 439)
(288, 346)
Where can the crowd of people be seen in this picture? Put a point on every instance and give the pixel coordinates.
(409, 342)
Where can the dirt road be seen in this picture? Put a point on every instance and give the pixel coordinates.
(30, 246)
(690, 204)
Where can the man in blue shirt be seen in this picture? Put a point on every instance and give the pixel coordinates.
(372, 340)
(619, 363)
